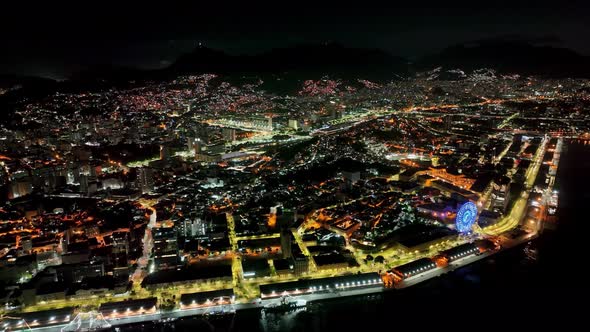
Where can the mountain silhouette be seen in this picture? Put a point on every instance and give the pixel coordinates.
(508, 56)
(312, 59)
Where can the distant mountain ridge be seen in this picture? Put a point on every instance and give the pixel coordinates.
(333, 59)
(511, 57)
(290, 65)
(321, 59)
(8, 81)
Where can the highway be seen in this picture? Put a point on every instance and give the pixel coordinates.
(513, 219)
(177, 313)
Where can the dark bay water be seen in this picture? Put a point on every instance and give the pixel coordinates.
(541, 286)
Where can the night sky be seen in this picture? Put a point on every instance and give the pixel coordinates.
(55, 40)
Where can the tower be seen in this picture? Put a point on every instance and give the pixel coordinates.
(286, 243)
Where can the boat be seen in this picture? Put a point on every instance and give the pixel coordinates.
(285, 304)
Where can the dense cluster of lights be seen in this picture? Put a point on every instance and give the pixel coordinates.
(223, 300)
(464, 253)
(418, 270)
(129, 312)
(322, 288)
(19, 323)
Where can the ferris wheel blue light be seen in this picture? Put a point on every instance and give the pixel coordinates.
(466, 217)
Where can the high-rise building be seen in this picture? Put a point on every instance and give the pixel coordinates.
(194, 227)
(293, 124)
(76, 173)
(335, 113)
(95, 170)
(91, 230)
(26, 243)
(448, 122)
(165, 152)
(351, 177)
(120, 242)
(20, 187)
(165, 248)
(216, 148)
(145, 179)
(88, 184)
(119, 256)
(229, 134)
(286, 243)
(301, 264)
(190, 143)
(83, 183)
(285, 217)
(198, 145)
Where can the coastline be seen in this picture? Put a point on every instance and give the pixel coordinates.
(163, 316)
(168, 316)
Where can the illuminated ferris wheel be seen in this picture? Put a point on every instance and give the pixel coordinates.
(466, 217)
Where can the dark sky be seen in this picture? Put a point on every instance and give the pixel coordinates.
(54, 40)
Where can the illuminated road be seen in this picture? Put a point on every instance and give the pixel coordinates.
(507, 120)
(503, 153)
(142, 262)
(175, 314)
(304, 250)
(513, 219)
(257, 237)
(236, 264)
